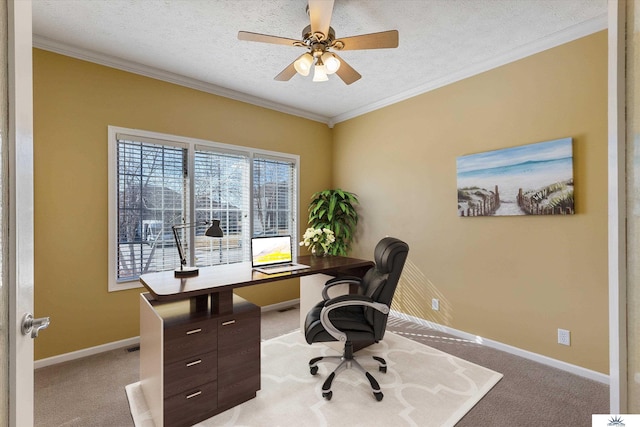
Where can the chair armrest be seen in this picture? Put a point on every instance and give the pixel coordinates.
(346, 301)
(350, 280)
(353, 298)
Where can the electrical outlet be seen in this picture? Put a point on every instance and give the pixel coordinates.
(564, 337)
(435, 304)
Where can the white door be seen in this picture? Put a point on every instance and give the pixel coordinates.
(617, 210)
(17, 210)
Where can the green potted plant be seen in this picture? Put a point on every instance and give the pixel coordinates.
(335, 210)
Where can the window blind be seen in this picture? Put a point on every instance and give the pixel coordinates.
(221, 190)
(274, 206)
(152, 196)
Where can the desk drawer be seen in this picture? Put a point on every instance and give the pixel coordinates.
(185, 340)
(192, 406)
(182, 375)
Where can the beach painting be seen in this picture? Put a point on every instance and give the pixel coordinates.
(533, 179)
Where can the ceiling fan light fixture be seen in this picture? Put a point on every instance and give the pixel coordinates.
(331, 63)
(318, 38)
(320, 73)
(303, 64)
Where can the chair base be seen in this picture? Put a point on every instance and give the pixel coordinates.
(348, 361)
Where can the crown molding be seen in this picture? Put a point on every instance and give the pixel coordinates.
(158, 74)
(561, 37)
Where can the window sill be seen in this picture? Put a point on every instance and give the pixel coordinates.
(114, 287)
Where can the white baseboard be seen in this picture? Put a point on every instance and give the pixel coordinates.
(567, 367)
(281, 305)
(573, 369)
(41, 363)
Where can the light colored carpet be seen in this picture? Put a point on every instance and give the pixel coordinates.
(422, 387)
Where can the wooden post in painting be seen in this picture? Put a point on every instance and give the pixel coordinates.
(520, 197)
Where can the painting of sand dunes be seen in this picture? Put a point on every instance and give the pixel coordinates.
(533, 179)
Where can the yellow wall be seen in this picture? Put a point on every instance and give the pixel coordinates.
(511, 279)
(74, 102)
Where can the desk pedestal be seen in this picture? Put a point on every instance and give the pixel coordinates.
(196, 364)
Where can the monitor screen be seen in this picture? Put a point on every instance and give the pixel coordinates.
(270, 250)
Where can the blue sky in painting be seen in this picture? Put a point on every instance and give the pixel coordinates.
(543, 151)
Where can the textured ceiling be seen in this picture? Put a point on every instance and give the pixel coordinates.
(194, 42)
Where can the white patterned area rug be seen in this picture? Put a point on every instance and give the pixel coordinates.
(422, 387)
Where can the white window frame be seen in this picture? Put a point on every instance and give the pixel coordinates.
(192, 144)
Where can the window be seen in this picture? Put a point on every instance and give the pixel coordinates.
(273, 197)
(157, 181)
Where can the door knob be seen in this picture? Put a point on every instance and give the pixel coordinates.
(29, 324)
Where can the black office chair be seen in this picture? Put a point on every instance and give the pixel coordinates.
(357, 318)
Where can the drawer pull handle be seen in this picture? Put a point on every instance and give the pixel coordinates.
(197, 393)
(195, 362)
(194, 331)
(228, 322)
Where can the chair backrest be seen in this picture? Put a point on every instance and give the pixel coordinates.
(381, 281)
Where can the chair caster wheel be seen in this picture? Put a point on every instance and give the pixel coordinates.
(383, 369)
(327, 395)
(313, 370)
(378, 396)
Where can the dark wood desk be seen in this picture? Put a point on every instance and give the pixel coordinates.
(220, 281)
(200, 343)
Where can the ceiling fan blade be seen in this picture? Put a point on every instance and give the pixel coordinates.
(320, 15)
(286, 74)
(346, 72)
(264, 38)
(383, 40)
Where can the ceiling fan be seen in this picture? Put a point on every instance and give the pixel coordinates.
(319, 39)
